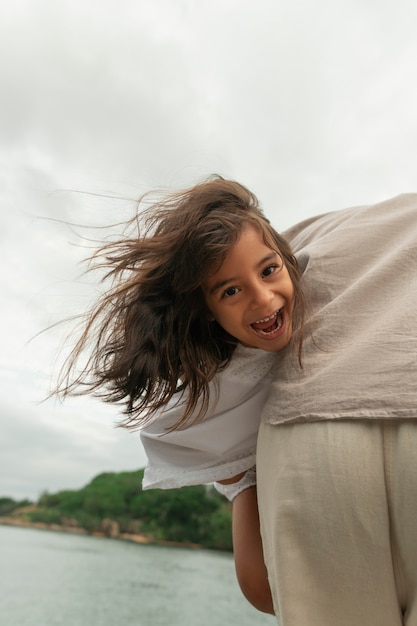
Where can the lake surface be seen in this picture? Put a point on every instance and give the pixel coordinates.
(57, 579)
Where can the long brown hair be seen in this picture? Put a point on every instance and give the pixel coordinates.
(151, 332)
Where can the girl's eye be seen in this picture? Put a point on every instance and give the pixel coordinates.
(269, 270)
(230, 291)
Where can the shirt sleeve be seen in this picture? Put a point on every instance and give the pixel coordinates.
(223, 443)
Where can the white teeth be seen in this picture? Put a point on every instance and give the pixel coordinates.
(277, 317)
(266, 319)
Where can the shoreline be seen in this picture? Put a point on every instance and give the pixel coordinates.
(77, 530)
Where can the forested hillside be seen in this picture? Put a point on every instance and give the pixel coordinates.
(197, 515)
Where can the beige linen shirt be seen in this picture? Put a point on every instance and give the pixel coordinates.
(360, 350)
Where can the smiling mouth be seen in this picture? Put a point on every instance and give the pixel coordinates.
(268, 325)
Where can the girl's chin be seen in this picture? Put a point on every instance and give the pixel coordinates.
(273, 346)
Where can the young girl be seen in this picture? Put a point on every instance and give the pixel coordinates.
(204, 293)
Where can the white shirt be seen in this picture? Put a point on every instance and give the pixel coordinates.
(223, 443)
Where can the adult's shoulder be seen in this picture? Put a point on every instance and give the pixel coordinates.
(398, 212)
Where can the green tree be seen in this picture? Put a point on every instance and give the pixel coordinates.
(195, 514)
(7, 505)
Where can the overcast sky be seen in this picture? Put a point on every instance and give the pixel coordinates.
(310, 104)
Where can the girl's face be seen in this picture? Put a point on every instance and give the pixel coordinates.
(251, 296)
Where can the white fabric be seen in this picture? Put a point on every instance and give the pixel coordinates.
(234, 489)
(221, 445)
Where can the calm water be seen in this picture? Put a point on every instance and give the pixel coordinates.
(54, 579)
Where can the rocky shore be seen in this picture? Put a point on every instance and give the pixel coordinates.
(109, 528)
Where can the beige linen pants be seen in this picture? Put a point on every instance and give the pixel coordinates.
(338, 510)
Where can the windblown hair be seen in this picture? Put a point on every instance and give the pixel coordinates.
(151, 332)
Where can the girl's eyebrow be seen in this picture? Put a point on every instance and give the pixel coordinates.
(223, 283)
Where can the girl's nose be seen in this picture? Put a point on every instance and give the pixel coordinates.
(261, 296)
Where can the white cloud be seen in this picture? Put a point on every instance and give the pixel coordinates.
(312, 106)
(46, 448)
